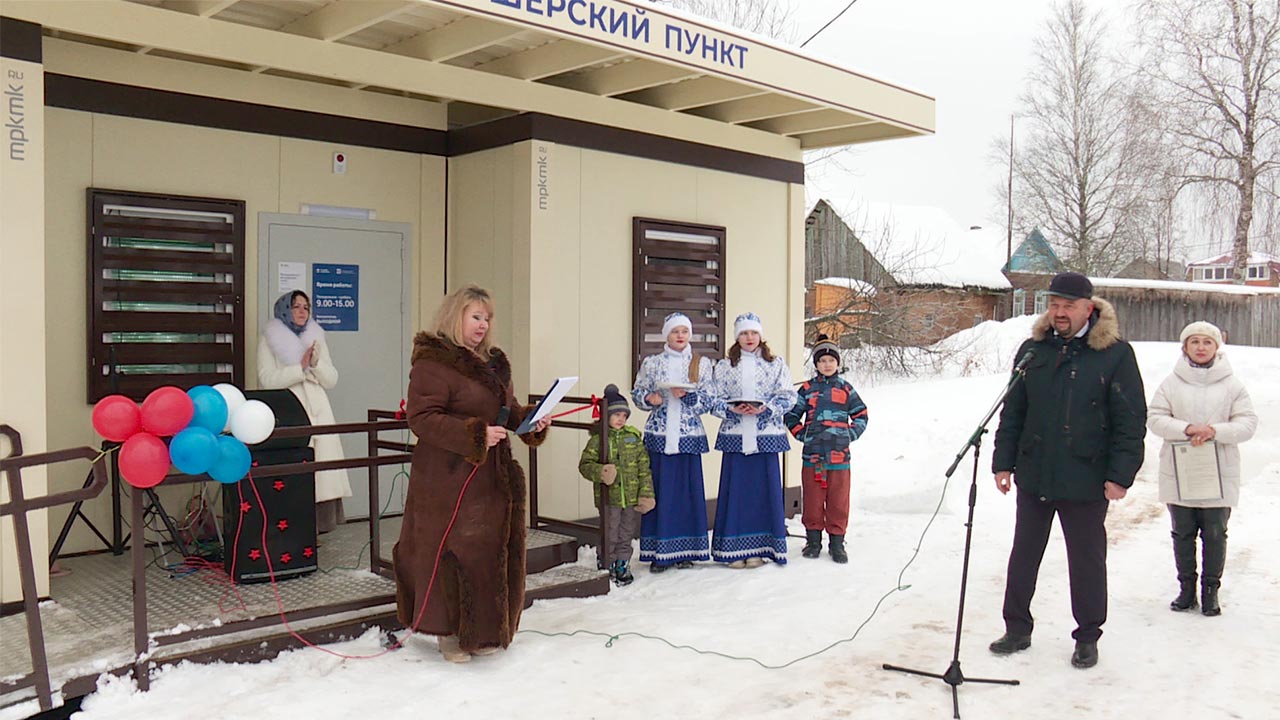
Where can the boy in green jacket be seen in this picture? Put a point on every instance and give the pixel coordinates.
(626, 476)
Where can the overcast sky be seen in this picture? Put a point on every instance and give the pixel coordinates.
(972, 57)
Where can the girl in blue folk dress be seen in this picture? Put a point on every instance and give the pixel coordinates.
(752, 393)
(673, 386)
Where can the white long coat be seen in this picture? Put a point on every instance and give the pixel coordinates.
(279, 367)
(1197, 396)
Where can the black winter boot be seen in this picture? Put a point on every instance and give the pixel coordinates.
(813, 544)
(1213, 551)
(1209, 601)
(837, 549)
(1186, 599)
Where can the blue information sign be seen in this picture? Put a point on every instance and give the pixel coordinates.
(335, 296)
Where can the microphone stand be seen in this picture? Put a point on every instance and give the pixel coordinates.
(954, 676)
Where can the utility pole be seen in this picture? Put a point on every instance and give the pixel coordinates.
(1008, 251)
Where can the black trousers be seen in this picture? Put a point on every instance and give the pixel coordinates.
(1211, 524)
(1084, 529)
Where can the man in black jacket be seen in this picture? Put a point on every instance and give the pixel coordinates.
(1071, 434)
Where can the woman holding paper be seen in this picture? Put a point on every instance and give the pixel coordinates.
(672, 385)
(752, 393)
(293, 354)
(1200, 404)
(460, 405)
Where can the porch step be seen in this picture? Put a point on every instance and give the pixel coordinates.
(545, 550)
(565, 581)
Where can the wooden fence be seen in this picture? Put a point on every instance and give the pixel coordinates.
(1159, 314)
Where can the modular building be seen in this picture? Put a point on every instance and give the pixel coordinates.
(594, 163)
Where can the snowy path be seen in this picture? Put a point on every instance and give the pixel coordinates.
(1154, 663)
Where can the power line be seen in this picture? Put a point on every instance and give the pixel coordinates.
(824, 27)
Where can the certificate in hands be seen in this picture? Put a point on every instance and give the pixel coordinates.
(559, 389)
(1195, 468)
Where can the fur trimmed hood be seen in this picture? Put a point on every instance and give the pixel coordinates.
(494, 375)
(287, 347)
(1104, 330)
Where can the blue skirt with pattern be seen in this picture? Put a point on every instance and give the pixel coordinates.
(676, 529)
(750, 518)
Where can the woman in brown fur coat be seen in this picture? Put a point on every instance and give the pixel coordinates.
(458, 388)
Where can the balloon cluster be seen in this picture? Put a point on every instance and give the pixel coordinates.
(195, 420)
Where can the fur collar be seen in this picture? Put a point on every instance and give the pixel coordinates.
(287, 347)
(1103, 332)
(495, 374)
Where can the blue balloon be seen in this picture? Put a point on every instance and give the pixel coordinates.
(210, 408)
(194, 450)
(233, 461)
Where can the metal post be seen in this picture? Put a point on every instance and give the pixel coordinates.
(27, 574)
(138, 550)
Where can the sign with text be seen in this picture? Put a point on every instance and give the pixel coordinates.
(335, 296)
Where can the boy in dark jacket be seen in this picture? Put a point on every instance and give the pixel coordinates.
(827, 418)
(625, 474)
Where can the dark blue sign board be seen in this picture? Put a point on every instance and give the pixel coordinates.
(335, 296)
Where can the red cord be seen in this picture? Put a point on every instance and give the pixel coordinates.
(421, 611)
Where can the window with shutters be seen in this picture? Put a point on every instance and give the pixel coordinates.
(679, 267)
(165, 291)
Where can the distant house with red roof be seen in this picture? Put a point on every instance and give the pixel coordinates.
(1264, 270)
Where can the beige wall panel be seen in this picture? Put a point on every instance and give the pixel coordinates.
(429, 257)
(480, 230)
(581, 299)
(23, 301)
(270, 174)
(68, 171)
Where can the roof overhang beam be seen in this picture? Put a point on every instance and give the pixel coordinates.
(345, 17)
(627, 77)
(697, 92)
(456, 39)
(202, 8)
(553, 58)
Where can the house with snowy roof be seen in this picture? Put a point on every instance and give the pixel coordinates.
(1263, 270)
(1029, 270)
(932, 276)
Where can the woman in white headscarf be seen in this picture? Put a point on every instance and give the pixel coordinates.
(752, 394)
(293, 354)
(672, 385)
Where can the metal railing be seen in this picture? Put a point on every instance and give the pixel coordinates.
(538, 520)
(19, 505)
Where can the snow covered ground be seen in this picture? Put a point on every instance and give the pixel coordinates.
(1154, 663)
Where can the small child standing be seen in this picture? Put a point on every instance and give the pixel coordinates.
(625, 472)
(828, 417)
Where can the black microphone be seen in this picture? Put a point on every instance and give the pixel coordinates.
(1027, 357)
(503, 415)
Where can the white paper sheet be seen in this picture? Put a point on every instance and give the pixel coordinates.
(559, 389)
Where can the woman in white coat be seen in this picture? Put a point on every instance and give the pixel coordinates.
(1201, 401)
(293, 354)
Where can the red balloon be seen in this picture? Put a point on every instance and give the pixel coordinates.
(116, 418)
(166, 411)
(144, 460)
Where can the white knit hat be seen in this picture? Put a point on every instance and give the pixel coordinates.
(1200, 327)
(747, 321)
(675, 320)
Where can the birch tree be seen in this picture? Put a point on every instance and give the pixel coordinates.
(1076, 174)
(1217, 64)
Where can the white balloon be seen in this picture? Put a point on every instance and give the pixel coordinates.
(253, 422)
(234, 399)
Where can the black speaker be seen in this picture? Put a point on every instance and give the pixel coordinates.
(288, 509)
(289, 413)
